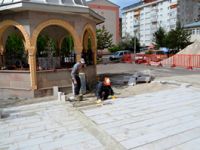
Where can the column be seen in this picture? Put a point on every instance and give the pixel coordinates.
(78, 51)
(85, 41)
(94, 50)
(1, 52)
(32, 66)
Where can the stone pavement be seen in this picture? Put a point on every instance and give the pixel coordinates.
(191, 79)
(168, 119)
(44, 126)
(154, 121)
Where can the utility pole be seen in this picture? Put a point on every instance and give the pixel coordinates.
(135, 45)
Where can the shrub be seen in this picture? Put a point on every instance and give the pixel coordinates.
(114, 48)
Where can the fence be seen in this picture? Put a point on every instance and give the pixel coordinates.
(178, 60)
(183, 60)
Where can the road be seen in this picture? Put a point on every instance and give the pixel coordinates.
(160, 73)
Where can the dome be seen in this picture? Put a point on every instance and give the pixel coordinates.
(57, 2)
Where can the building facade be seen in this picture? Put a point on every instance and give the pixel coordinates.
(143, 19)
(110, 12)
(56, 20)
(194, 29)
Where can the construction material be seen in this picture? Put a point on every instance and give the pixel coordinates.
(139, 77)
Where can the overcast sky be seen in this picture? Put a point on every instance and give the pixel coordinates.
(123, 3)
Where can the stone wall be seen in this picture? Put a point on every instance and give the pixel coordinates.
(50, 78)
(15, 84)
(62, 78)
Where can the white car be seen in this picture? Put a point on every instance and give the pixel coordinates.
(118, 55)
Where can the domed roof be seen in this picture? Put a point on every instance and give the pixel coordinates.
(57, 2)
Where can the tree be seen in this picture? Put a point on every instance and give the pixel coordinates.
(46, 46)
(160, 38)
(128, 43)
(41, 45)
(178, 38)
(14, 49)
(67, 45)
(104, 38)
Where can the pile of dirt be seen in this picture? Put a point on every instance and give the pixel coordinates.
(183, 58)
(194, 48)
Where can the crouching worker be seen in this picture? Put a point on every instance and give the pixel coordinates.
(103, 89)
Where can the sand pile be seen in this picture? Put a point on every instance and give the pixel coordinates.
(194, 48)
(183, 58)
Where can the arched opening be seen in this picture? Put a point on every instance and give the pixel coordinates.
(67, 52)
(87, 52)
(14, 56)
(89, 45)
(50, 53)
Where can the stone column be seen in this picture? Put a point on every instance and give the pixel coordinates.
(78, 52)
(32, 66)
(85, 41)
(94, 50)
(1, 52)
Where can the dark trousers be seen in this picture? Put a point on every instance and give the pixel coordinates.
(77, 86)
(102, 91)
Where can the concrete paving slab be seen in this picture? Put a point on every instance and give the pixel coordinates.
(153, 120)
(44, 126)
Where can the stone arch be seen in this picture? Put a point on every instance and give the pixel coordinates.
(89, 30)
(5, 24)
(64, 24)
(92, 32)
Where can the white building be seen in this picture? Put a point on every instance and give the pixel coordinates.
(144, 18)
(194, 28)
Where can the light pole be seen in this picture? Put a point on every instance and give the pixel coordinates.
(135, 44)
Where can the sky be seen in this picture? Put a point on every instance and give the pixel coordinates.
(123, 3)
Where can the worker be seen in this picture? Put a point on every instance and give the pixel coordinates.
(104, 89)
(75, 76)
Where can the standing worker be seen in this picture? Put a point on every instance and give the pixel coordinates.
(75, 76)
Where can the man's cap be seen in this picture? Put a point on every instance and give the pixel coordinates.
(82, 61)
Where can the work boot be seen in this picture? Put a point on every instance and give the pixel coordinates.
(80, 97)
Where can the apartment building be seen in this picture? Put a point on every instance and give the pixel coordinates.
(194, 28)
(143, 19)
(110, 12)
(189, 11)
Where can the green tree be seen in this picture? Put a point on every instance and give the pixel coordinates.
(14, 49)
(67, 45)
(160, 38)
(128, 43)
(114, 48)
(104, 38)
(178, 38)
(41, 45)
(46, 46)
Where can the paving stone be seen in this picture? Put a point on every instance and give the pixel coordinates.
(45, 126)
(148, 118)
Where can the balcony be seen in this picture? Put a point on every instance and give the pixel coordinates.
(136, 13)
(154, 20)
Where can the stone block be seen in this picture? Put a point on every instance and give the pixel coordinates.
(55, 91)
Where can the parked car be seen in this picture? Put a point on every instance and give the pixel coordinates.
(118, 55)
